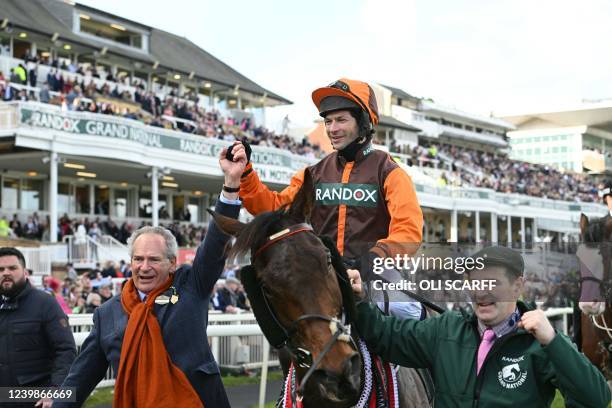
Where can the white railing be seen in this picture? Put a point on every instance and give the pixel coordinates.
(38, 260)
(559, 315)
(226, 326)
(110, 245)
(89, 250)
(222, 330)
(79, 251)
(247, 351)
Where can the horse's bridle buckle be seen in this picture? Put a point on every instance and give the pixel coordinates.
(303, 357)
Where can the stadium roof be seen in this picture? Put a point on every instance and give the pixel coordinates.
(592, 114)
(179, 54)
(400, 93)
(429, 106)
(391, 122)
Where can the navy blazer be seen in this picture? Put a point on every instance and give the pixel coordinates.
(183, 326)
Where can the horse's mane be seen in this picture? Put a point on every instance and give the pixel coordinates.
(256, 231)
(262, 226)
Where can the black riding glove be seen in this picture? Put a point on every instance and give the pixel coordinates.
(247, 149)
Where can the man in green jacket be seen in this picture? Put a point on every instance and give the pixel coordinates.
(504, 355)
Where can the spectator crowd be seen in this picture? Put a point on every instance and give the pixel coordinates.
(471, 168)
(80, 92)
(84, 291)
(187, 234)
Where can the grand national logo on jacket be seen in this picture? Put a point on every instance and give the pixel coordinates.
(358, 195)
(512, 374)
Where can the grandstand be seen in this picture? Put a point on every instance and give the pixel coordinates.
(110, 122)
(107, 124)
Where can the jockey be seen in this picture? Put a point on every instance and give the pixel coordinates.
(364, 200)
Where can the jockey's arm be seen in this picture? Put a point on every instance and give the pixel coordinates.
(257, 197)
(406, 225)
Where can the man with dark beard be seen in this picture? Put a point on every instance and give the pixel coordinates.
(36, 344)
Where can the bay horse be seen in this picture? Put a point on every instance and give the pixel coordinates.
(302, 299)
(595, 257)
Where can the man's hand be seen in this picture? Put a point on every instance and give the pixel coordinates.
(44, 403)
(355, 279)
(536, 323)
(233, 169)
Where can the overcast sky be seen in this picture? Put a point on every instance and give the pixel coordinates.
(480, 56)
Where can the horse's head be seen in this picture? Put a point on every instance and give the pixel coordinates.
(595, 263)
(295, 277)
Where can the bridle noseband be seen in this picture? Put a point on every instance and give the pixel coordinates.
(340, 328)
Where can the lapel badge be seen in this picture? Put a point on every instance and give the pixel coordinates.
(162, 300)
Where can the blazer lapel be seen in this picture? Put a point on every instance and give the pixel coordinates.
(160, 310)
(120, 318)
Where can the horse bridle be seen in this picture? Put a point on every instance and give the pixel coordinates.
(340, 328)
(605, 287)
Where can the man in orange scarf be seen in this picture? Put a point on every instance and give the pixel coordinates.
(154, 333)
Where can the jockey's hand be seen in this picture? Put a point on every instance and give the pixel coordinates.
(536, 323)
(355, 278)
(233, 169)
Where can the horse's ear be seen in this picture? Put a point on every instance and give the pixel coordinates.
(584, 223)
(302, 204)
(228, 225)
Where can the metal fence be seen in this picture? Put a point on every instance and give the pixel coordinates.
(236, 341)
(37, 259)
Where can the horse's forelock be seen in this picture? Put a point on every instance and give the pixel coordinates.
(255, 232)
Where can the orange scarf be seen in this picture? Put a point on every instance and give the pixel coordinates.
(147, 377)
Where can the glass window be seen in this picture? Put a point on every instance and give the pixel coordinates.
(555, 149)
(538, 150)
(121, 202)
(144, 204)
(10, 188)
(31, 195)
(163, 207)
(101, 195)
(194, 209)
(82, 199)
(64, 198)
(178, 207)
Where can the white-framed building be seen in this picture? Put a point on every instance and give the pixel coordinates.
(573, 139)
